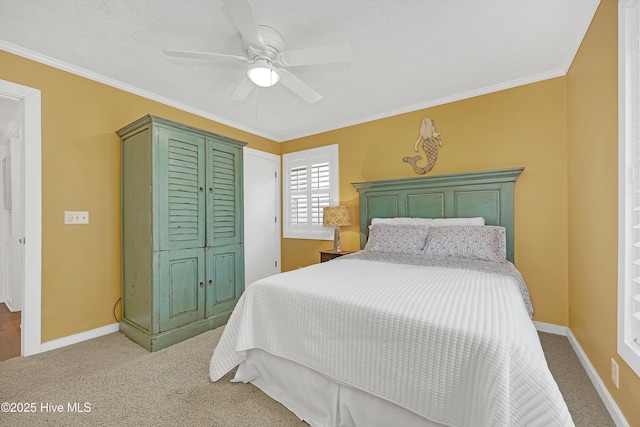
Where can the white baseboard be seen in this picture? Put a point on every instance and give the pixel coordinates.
(550, 328)
(604, 394)
(76, 338)
(607, 399)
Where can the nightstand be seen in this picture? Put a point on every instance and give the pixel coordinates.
(329, 255)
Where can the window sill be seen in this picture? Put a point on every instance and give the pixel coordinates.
(308, 235)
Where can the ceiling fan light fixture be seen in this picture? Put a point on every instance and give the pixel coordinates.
(262, 73)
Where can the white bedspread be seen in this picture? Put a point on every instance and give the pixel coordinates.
(453, 345)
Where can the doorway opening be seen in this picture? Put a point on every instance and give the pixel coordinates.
(20, 114)
(11, 226)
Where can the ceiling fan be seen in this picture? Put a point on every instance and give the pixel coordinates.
(265, 55)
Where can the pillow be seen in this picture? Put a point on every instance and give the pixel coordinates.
(487, 243)
(443, 222)
(431, 222)
(399, 239)
(402, 221)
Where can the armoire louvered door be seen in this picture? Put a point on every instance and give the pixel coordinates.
(225, 257)
(181, 192)
(225, 186)
(182, 215)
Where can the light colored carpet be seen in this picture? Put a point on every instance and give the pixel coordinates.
(585, 406)
(127, 386)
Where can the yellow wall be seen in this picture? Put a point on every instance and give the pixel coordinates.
(563, 131)
(524, 126)
(592, 88)
(81, 171)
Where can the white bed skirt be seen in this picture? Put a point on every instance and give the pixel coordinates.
(318, 400)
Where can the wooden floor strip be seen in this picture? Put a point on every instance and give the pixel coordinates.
(9, 333)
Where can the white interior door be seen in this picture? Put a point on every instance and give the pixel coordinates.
(261, 214)
(15, 238)
(5, 204)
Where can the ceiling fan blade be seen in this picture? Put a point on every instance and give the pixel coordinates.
(242, 90)
(316, 55)
(299, 87)
(242, 16)
(203, 55)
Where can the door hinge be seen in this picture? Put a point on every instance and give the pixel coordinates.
(275, 174)
(276, 263)
(276, 219)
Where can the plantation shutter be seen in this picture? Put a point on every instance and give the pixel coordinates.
(299, 203)
(634, 141)
(310, 193)
(630, 165)
(310, 185)
(319, 191)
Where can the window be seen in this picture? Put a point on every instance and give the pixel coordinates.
(629, 184)
(310, 184)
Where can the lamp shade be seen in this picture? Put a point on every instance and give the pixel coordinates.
(336, 216)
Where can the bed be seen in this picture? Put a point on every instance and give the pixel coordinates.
(428, 325)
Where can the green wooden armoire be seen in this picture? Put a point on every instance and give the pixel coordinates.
(182, 231)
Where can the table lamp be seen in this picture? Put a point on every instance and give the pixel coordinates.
(336, 216)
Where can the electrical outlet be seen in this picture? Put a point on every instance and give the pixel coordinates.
(614, 373)
(82, 217)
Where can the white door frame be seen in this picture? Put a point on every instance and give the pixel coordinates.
(250, 152)
(31, 332)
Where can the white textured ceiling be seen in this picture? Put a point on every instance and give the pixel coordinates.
(407, 54)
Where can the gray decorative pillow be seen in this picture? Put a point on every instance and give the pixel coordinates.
(399, 239)
(487, 243)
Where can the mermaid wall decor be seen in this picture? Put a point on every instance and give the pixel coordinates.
(430, 141)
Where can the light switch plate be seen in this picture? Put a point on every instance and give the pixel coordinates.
(76, 217)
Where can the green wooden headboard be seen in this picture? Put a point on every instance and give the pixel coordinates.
(487, 194)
